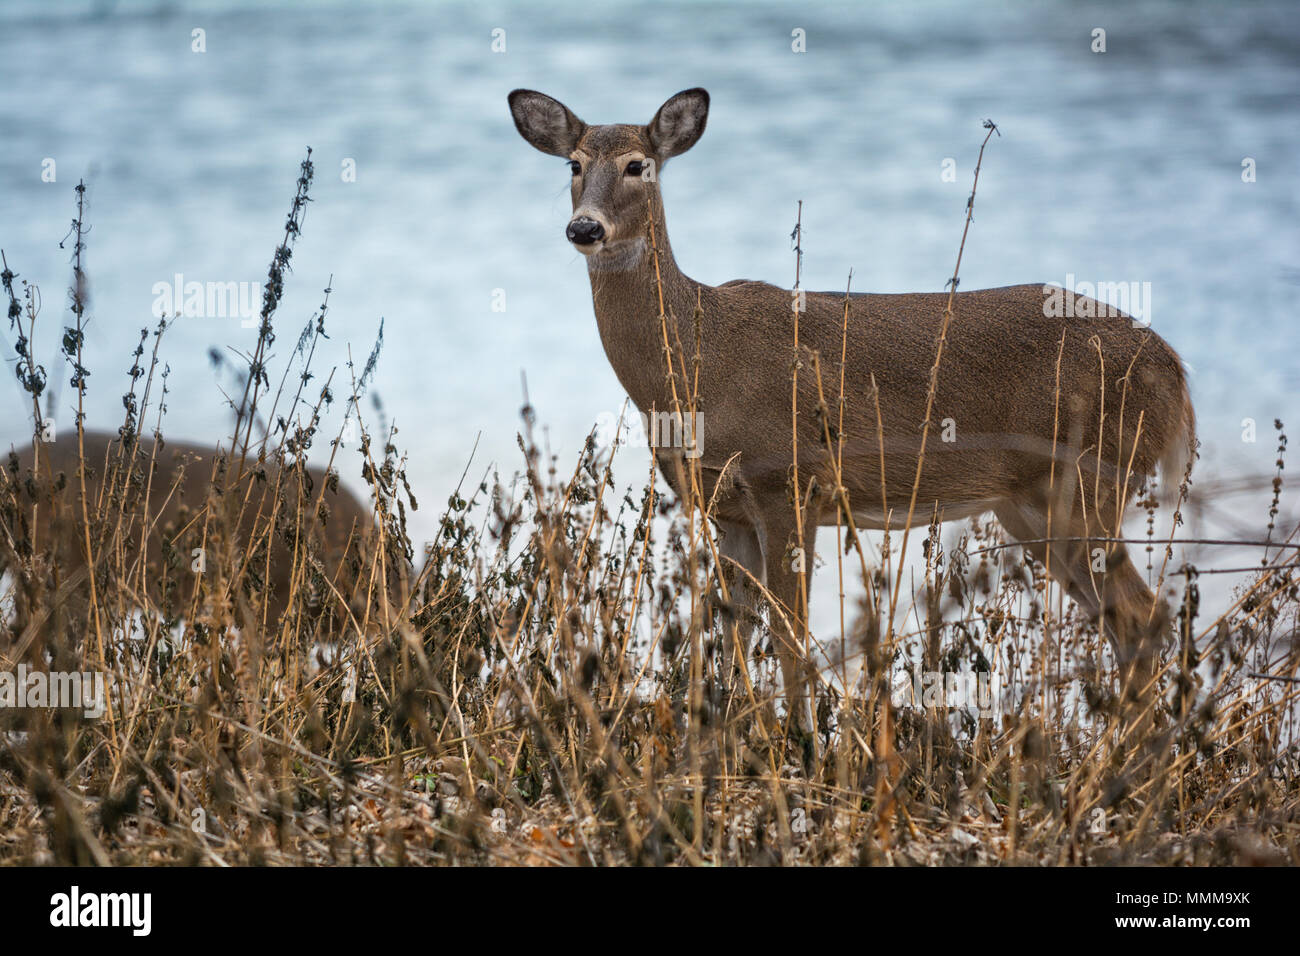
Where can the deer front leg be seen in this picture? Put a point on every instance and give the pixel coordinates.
(745, 573)
(789, 579)
(1136, 624)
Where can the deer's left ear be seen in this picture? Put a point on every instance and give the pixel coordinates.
(679, 123)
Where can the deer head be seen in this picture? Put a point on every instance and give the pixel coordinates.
(615, 168)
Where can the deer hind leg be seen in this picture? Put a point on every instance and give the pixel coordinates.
(1100, 577)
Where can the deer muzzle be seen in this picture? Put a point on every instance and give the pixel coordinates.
(584, 231)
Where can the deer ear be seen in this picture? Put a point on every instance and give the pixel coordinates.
(679, 123)
(545, 122)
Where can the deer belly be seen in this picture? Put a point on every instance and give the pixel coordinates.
(874, 519)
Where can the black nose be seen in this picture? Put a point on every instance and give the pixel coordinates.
(584, 231)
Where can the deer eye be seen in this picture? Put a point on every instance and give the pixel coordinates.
(634, 168)
(576, 167)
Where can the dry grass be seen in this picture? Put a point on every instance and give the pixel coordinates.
(548, 687)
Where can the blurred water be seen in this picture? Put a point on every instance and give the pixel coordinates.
(1122, 166)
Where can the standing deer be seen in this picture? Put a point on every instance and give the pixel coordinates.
(1057, 420)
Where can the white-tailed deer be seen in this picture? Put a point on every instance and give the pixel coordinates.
(1055, 421)
(155, 503)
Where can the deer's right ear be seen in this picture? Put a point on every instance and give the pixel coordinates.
(545, 122)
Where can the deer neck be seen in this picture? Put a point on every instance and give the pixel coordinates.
(626, 294)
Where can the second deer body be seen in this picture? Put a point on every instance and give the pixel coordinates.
(147, 500)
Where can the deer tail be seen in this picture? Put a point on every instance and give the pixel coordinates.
(1179, 453)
